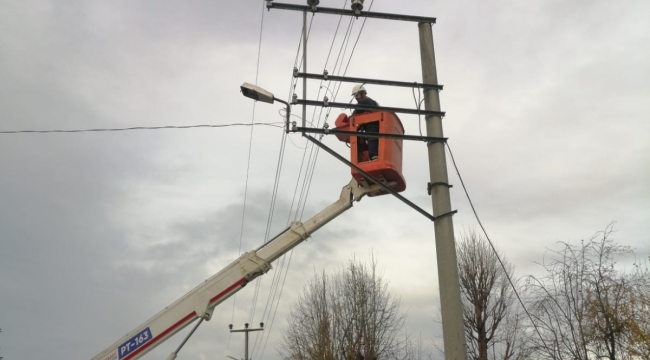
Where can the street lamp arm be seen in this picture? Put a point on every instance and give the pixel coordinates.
(257, 93)
(288, 120)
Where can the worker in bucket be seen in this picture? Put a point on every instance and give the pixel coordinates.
(360, 94)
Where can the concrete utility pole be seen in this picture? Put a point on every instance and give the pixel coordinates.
(246, 330)
(304, 66)
(451, 305)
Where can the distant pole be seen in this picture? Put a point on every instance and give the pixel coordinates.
(246, 330)
(451, 306)
(304, 67)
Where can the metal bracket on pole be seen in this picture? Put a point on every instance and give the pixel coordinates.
(372, 178)
(368, 108)
(326, 77)
(451, 213)
(431, 185)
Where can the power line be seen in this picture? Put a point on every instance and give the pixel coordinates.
(271, 307)
(274, 287)
(342, 50)
(309, 171)
(274, 124)
(248, 162)
(320, 86)
(271, 212)
(281, 264)
(493, 248)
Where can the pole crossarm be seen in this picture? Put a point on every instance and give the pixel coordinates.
(246, 330)
(427, 139)
(367, 14)
(368, 108)
(327, 77)
(372, 179)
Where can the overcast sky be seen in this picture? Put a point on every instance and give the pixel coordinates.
(547, 106)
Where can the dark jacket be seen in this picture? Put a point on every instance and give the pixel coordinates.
(365, 101)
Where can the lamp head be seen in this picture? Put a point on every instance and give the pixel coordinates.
(257, 93)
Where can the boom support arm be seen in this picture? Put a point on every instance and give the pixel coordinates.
(201, 301)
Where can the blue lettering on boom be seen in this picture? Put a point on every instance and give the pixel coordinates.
(134, 343)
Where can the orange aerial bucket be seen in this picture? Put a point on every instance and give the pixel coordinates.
(387, 167)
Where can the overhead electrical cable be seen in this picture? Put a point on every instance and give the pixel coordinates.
(272, 210)
(320, 86)
(310, 169)
(313, 154)
(270, 218)
(274, 124)
(274, 288)
(343, 49)
(281, 264)
(284, 280)
(350, 59)
(471, 204)
(248, 161)
(344, 45)
(248, 166)
(291, 89)
(310, 172)
(250, 142)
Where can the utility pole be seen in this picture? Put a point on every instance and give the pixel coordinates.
(451, 306)
(304, 65)
(246, 330)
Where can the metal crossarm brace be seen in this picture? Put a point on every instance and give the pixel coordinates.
(368, 108)
(365, 81)
(368, 134)
(367, 14)
(371, 178)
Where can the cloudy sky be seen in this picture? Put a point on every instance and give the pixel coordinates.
(547, 105)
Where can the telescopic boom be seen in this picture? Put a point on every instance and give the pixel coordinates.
(201, 301)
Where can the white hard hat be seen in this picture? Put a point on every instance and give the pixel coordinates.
(358, 88)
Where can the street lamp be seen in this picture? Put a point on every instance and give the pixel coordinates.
(257, 93)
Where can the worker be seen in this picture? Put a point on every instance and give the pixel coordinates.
(360, 94)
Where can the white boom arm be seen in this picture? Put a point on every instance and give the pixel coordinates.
(201, 301)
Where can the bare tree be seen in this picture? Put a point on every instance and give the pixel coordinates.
(493, 324)
(636, 312)
(349, 316)
(585, 307)
(308, 336)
